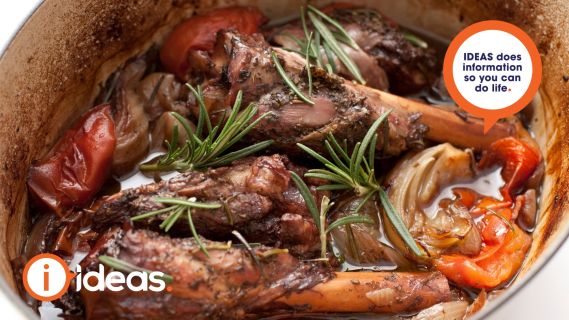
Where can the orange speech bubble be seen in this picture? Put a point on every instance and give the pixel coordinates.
(489, 115)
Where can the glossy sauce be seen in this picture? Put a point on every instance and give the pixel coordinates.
(487, 183)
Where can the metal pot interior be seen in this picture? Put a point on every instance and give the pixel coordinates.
(53, 69)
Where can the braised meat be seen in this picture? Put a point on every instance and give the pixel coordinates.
(230, 284)
(383, 49)
(257, 195)
(341, 107)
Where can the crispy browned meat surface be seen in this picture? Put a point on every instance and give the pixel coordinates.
(227, 285)
(259, 200)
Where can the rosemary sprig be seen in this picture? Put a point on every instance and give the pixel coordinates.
(357, 172)
(341, 32)
(177, 207)
(313, 49)
(124, 266)
(288, 81)
(316, 17)
(319, 216)
(200, 150)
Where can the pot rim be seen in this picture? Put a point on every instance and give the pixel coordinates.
(8, 295)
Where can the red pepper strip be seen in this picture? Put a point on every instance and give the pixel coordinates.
(199, 33)
(465, 196)
(519, 161)
(78, 165)
(503, 252)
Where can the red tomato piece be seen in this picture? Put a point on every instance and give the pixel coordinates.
(504, 249)
(519, 161)
(199, 32)
(77, 166)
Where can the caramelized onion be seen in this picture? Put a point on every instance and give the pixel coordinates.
(162, 92)
(361, 243)
(415, 183)
(130, 120)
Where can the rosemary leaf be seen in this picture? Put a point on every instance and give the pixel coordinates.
(187, 203)
(203, 116)
(334, 155)
(354, 170)
(335, 47)
(316, 49)
(414, 40)
(313, 48)
(329, 57)
(364, 201)
(172, 218)
(369, 137)
(308, 69)
(298, 42)
(326, 175)
(314, 154)
(124, 266)
(355, 218)
(339, 28)
(194, 232)
(151, 213)
(232, 156)
(308, 198)
(288, 81)
(339, 149)
(332, 187)
(399, 225)
(371, 154)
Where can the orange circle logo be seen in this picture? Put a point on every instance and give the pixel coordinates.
(492, 69)
(46, 277)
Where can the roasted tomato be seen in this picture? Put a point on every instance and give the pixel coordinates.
(519, 161)
(199, 32)
(78, 165)
(504, 247)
